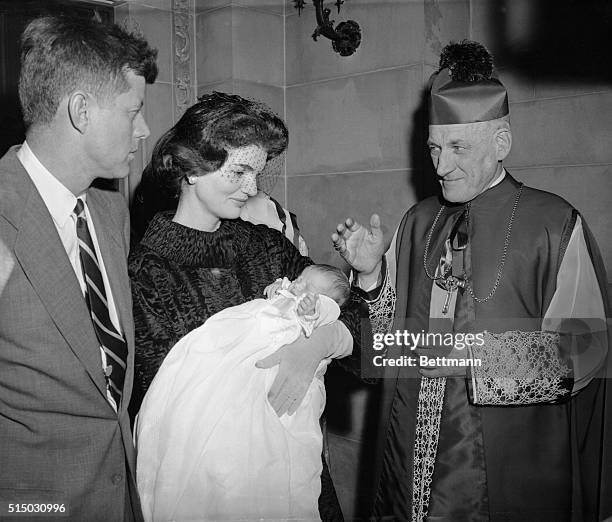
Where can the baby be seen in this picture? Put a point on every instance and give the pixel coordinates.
(210, 446)
(314, 280)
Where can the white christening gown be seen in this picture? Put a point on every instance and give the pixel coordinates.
(209, 445)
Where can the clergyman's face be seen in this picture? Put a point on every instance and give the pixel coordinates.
(465, 157)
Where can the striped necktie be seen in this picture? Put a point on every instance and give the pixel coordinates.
(111, 341)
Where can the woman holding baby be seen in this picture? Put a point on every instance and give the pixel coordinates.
(202, 259)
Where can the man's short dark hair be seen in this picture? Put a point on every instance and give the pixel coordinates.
(60, 54)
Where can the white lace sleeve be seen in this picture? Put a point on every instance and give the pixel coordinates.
(577, 310)
(382, 308)
(532, 367)
(519, 368)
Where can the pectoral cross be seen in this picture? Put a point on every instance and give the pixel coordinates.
(450, 284)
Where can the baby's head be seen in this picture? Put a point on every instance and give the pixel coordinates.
(323, 279)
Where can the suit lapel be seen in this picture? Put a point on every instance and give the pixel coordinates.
(46, 265)
(113, 254)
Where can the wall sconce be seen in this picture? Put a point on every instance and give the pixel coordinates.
(345, 38)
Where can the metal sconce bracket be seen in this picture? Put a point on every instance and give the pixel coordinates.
(345, 38)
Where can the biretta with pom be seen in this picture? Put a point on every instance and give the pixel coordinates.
(465, 89)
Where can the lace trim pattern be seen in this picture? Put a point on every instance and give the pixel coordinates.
(429, 413)
(518, 368)
(382, 309)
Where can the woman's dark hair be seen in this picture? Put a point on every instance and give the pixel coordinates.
(199, 141)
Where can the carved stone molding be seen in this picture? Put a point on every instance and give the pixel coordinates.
(183, 56)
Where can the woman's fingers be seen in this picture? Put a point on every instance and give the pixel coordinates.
(269, 361)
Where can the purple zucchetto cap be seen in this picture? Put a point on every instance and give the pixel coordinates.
(465, 90)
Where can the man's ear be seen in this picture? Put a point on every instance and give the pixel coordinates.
(79, 107)
(503, 143)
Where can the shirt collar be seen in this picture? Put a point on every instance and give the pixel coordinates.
(58, 199)
(499, 178)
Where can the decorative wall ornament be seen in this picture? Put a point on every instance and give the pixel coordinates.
(345, 38)
(183, 55)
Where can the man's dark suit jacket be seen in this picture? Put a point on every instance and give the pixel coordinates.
(60, 439)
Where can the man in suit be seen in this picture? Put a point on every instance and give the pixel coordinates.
(66, 331)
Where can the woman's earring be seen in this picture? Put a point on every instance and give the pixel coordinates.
(192, 179)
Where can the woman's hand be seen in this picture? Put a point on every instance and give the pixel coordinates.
(298, 363)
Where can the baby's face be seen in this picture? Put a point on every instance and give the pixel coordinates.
(310, 280)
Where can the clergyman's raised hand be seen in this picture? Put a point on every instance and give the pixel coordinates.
(360, 247)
